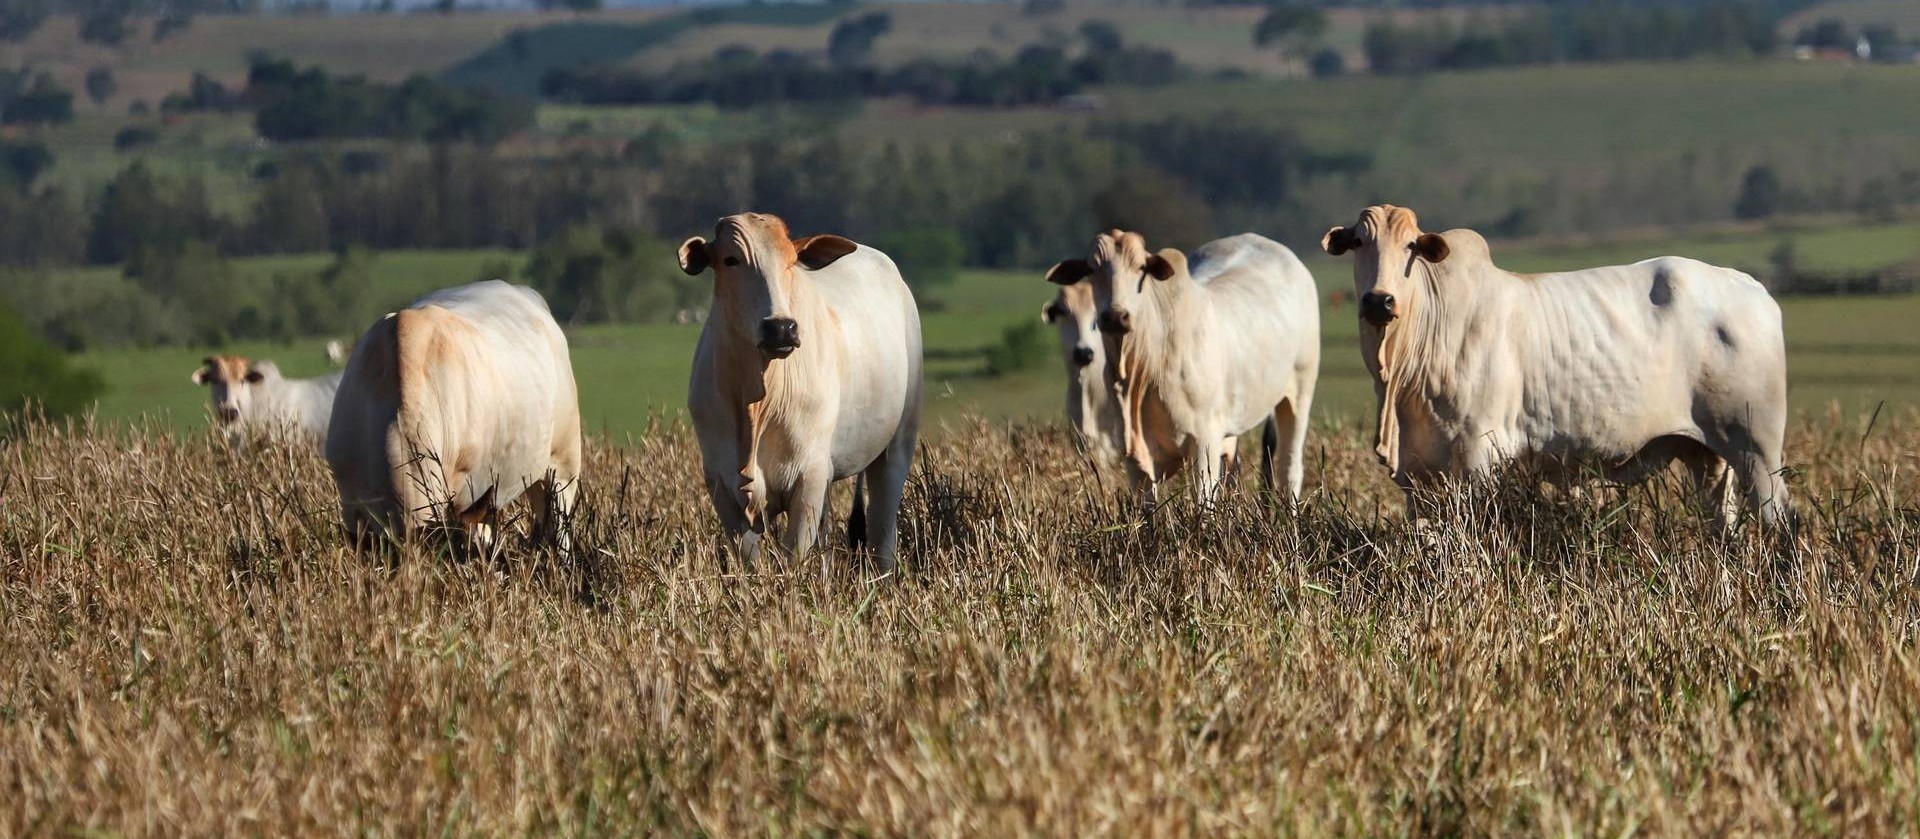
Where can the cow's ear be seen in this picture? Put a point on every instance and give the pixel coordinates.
(817, 252)
(1050, 312)
(1338, 241)
(201, 375)
(1166, 263)
(693, 256)
(1432, 247)
(1069, 272)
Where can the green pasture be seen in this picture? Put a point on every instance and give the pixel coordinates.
(1857, 351)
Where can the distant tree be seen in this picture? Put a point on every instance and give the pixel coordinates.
(19, 19)
(41, 101)
(135, 136)
(851, 42)
(927, 257)
(1760, 194)
(1290, 28)
(140, 212)
(192, 275)
(22, 161)
(1783, 264)
(173, 21)
(1825, 33)
(33, 373)
(1326, 63)
(100, 84)
(1022, 346)
(105, 21)
(1101, 36)
(289, 215)
(1157, 206)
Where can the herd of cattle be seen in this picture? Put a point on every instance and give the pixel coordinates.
(808, 372)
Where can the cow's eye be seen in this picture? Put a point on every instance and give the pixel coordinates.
(730, 261)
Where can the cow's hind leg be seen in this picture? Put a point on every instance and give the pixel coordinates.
(1756, 464)
(1713, 486)
(1290, 426)
(886, 481)
(553, 499)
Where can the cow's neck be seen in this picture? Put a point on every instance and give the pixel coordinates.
(1422, 356)
(766, 390)
(1143, 359)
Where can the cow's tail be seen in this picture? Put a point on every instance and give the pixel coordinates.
(857, 520)
(413, 443)
(1269, 440)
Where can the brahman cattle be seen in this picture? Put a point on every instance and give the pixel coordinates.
(1626, 369)
(452, 408)
(1199, 353)
(1093, 415)
(807, 372)
(251, 397)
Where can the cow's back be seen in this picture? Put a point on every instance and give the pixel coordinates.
(1261, 322)
(881, 364)
(470, 387)
(1610, 357)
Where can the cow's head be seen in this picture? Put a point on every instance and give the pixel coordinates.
(1118, 270)
(1072, 313)
(237, 386)
(1387, 246)
(755, 266)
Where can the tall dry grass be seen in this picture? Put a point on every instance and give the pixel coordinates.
(187, 648)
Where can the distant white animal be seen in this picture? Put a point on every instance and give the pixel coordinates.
(807, 372)
(1624, 369)
(452, 408)
(1198, 355)
(1092, 412)
(252, 398)
(336, 352)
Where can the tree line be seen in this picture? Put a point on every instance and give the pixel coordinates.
(741, 77)
(598, 227)
(1573, 33)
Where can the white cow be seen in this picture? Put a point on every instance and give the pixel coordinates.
(1626, 368)
(251, 397)
(807, 372)
(1199, 354)
(452, 408)
(1093, 414)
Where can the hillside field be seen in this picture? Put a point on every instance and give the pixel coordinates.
(1857, 351)
(188, 648)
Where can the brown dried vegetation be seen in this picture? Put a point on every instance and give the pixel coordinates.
(188, 648)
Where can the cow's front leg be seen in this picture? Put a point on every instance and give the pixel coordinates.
(806, 502)
(743, 534)
(1207, 459)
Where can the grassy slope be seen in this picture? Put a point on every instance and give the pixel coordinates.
(1565, 116)
(1857, 351)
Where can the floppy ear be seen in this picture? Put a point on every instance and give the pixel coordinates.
(200, 376)
(257, 372)
(1166, 263)
(1338, 241)
(693, 256)
(817, 252)
(1432, 247)
(1050, 312)
(1069, 272)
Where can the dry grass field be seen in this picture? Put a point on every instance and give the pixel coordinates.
(186, 649)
